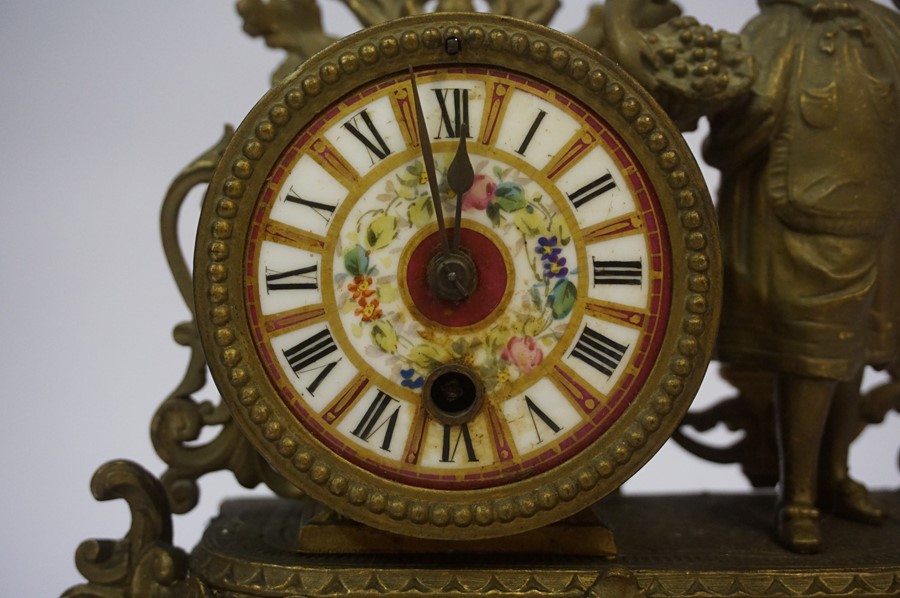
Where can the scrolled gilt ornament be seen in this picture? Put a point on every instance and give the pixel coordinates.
(144, 563)
(296, 25)
(878, 402)
(292, 25)
(374, 12)
(180, 419)
(882, 399)
(751, 412)
(536, 11)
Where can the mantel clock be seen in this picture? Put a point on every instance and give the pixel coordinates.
(457, 276)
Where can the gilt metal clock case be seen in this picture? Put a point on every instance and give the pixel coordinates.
(594, 313)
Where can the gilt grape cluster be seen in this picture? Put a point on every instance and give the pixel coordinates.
(698, 62)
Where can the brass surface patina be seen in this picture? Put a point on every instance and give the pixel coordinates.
(804, 119)
(809, 214)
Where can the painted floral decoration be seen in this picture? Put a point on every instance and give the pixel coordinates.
(523, 352)
(513, 207)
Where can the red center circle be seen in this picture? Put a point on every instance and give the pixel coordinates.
(492, 281)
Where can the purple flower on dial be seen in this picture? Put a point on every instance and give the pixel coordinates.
(556, 268)
(548, 249)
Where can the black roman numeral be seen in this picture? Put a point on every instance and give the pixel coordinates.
(600, 352)
(536, 412)
(455, 115)
(448, 454)
(323, 210)
(373, 421)
(594, 189)
(534, 127)
(374, 142)
(618, 272)
(293, 280)
(307, 355)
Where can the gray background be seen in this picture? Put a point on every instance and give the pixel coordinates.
(103, 102)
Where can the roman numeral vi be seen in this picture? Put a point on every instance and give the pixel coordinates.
(448, 453)
(373, 421)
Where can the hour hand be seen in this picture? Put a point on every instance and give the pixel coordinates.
(460, 176)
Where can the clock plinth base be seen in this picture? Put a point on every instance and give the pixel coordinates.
(582, 535)
(699, 545)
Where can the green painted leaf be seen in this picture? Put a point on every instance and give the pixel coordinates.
(381, 232)
(535, 326)
(408, 189)
(384, 336)
(421, 212)
(562, 299)
(429, 356)
(536, 296)
(493, 213)
(559, 229)
(510, 197)
(529, 221)
(356, 261)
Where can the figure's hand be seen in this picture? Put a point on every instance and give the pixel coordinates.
(460, 177)
(428, 158)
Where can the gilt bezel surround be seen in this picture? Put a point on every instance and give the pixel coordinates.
(543, 54)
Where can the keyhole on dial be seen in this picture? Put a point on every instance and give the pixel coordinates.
(453, 394)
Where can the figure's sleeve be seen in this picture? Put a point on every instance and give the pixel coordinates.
(746, 127)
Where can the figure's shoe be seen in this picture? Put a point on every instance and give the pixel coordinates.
(798, 528)
(851, 500)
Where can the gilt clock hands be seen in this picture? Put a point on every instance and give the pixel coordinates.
(460, 177)
(452, 275)
(428, 158)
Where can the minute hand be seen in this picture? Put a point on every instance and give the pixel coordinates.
(428, 158)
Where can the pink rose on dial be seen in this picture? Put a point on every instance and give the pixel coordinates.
(523, 353)
(480, 194)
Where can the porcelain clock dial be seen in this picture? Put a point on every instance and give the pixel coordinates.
(460, 288)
